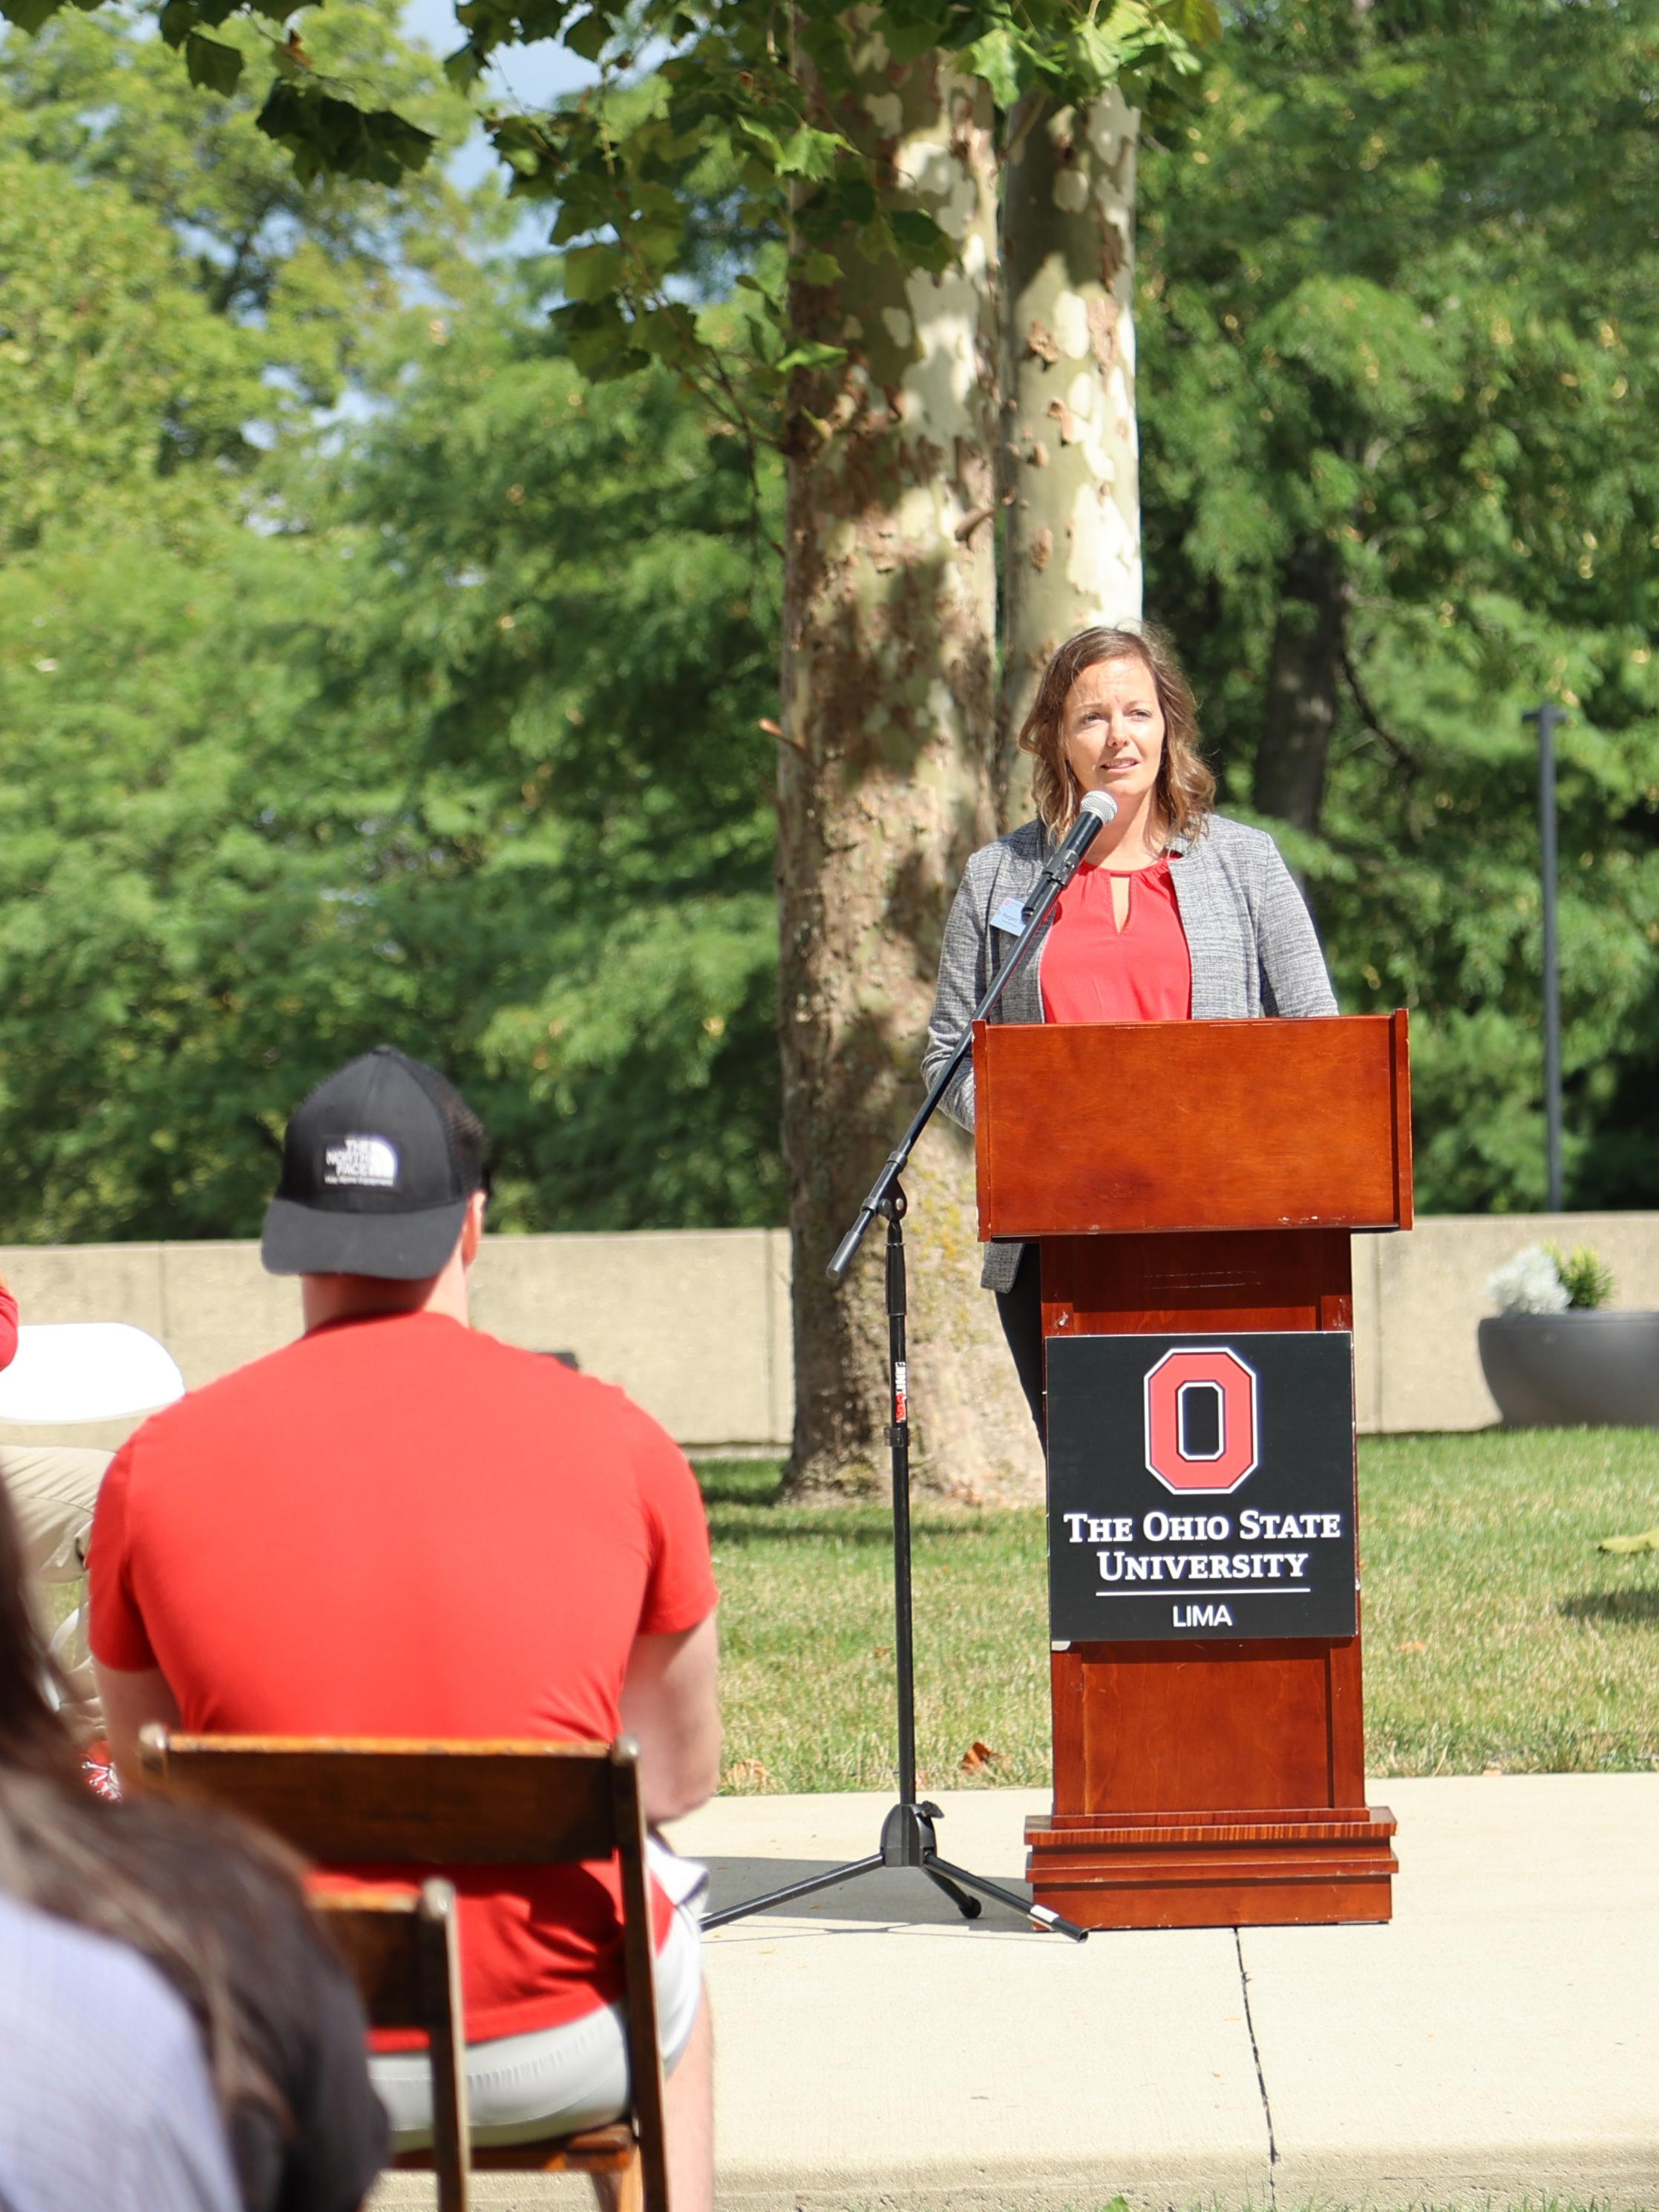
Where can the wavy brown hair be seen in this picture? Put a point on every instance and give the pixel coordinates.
(1186, 789)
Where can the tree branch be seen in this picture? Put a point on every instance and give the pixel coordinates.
(1400, 754)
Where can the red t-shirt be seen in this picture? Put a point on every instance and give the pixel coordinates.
(7, 1328)
(1092, 971)
(399, 1527)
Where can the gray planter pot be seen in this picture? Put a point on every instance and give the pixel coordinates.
(1570, 1371)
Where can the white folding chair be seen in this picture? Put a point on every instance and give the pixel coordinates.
(66, 1371)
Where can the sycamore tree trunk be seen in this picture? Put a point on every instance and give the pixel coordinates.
(1070, 471)
(1304, 673)
(885, 785)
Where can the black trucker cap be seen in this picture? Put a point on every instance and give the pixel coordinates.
(378, 1165)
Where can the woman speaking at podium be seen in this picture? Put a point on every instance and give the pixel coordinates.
(1176, 914)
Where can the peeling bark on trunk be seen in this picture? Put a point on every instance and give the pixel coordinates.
(886, 787)
(1069, 455)
(1302, 676)
(971, 1437)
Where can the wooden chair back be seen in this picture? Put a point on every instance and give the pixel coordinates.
(405, 1955)
(510, 1803)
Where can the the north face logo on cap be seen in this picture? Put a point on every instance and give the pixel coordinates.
(365, 1162)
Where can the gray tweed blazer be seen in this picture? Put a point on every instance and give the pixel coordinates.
(1249, 932)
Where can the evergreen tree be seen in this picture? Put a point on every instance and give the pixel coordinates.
(563, 625)
(1399, 360)
(461, 758)
(457, 743)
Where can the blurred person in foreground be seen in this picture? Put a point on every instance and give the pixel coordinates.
(1176, 914)
(399, 1527)
(104, 2095)
(173, 2032)
(53, 1489)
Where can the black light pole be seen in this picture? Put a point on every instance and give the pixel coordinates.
(1547, 716)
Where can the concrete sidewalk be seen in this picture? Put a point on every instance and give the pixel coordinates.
(1500, 2038)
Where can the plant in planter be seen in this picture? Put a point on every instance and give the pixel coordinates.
(1555, 1355)
(1585, 1277)
(1530, 1283)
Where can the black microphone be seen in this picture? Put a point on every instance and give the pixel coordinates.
(1099, 808)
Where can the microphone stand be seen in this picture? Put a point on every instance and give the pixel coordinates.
(908, 1835)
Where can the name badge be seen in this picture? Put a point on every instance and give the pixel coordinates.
(1009, 916)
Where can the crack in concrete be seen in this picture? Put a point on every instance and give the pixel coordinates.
(1261, 2077)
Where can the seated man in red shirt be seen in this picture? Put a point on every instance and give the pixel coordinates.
(399, 1527)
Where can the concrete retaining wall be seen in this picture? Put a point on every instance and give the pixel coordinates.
(695, 1323)
(1417, 1297)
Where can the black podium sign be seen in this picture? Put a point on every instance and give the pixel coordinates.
(1201, 1486)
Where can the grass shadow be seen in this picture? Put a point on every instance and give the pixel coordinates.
(1631, 1605)
(785, 1526)
(740, 1481)
(806, 1524)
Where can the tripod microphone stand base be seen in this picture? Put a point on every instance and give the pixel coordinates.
(908, 1840)
(907, 1834)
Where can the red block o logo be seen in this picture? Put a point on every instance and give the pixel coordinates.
(1172, 1390)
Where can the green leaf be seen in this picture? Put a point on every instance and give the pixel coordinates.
(850, 199)
(590, 34)
(529, 21)
(398, 140)
(1098, 56)
(1197, 21)
(509, 130)
(571, 223)
(919, 240)
(657, 244)
(663, 334)
(820, 269)
(531, 182)
(597, 339)
(29, 15)
(217, 68)
(178, 20)
(327, 136)
(809, 153)
(994, 58)
(907, 42)
(463, 69)
(593, 272)
(809, 357)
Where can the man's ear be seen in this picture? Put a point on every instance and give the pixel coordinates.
(472, 1228)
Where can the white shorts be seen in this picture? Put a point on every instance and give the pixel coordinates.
(556, 2080)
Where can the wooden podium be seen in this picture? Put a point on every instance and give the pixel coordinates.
(1202, 1178)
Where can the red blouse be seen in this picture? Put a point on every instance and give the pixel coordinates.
(1092, 971)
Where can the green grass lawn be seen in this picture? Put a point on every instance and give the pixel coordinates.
(1497, 1635)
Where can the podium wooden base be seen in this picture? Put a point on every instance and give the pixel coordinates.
(1222, 1786)
(1230, 1869)
(1206, 1781)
